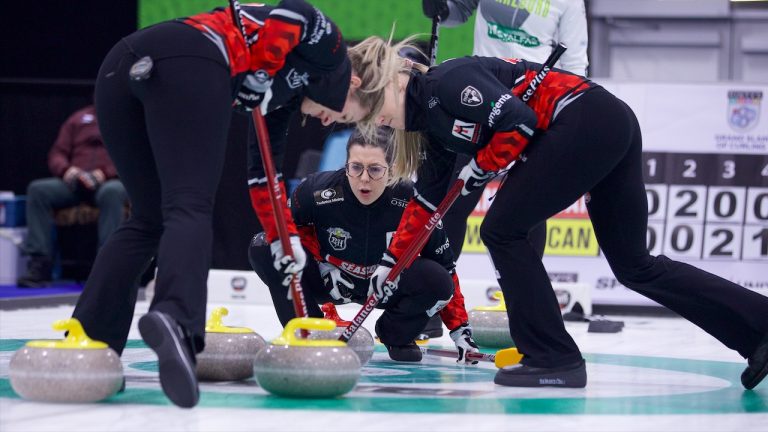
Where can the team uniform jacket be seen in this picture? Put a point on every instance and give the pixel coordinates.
(526, 30)
(473, 105)
(336, 228)
(296, 45)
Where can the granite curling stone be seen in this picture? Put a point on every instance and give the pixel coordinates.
(292, 366)
(77, 369)
(229, 351)
(490, 325)
(361, 342)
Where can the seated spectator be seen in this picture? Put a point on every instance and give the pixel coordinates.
(83, 172)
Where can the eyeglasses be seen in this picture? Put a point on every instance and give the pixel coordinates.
(375, 171)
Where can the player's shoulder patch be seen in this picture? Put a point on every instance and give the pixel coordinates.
(471, 96)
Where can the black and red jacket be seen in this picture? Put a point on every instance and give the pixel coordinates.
(303, 51)
(337, 228)
(293, 42)
(472, 105)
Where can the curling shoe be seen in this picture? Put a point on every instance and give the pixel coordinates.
(757, 366)
(573, 376)
(176, 357)
(404, 353)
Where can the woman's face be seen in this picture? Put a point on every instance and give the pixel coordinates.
(367, 171)
(351, 113)
(392, 112)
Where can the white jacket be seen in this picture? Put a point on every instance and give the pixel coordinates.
(527, 29)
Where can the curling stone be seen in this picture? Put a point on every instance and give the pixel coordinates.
(77, 369)
(361, 342)
(229, 351)
(295, 367)
(490, 324)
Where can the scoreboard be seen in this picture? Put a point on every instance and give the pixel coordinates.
(705, 168)
(707, 206)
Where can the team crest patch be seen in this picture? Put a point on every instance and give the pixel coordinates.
(337, 238)
(744, 109)
(466, 131)
(471, 96)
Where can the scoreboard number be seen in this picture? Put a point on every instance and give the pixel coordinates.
(707, 206)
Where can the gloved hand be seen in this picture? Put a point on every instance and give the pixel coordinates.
(256, 91)
(377, 286)
(287, 265)
(336, 281)
(462, 337)
(433, 8)
(474, 177)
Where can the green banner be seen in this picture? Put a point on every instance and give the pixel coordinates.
(357, 19)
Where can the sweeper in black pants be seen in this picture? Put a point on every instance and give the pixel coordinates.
(164, 97)
(577, 139)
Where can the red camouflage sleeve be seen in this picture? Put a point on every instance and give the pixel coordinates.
(281, 32)
(454, 313)
(263, 207)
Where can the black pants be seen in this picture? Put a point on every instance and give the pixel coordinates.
(455, 220)
(421, 287)
(167, 137)
(595, 146)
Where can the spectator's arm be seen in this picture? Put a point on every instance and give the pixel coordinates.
(572, 31)
(60, 153)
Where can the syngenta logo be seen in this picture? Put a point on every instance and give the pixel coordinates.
(496, 110)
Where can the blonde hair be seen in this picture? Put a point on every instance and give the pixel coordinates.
(377, 63)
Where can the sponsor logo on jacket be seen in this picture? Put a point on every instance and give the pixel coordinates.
(399, 202)
(328, 196)
(496, 110)
(465, 130)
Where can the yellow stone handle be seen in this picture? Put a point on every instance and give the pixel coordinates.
(501, 307)
(76, 338)
(215, 324)
(288, 337)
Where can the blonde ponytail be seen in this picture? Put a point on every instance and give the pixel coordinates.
(377, 63)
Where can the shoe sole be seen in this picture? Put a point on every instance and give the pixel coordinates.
(576, 378)
(177, 376)
(749, 384)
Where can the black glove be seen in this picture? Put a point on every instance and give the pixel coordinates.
(336, 281)
(474, 177)
(433, 8)
(255, 91)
